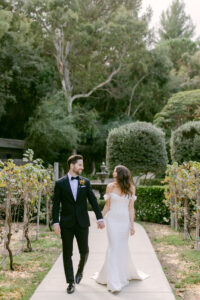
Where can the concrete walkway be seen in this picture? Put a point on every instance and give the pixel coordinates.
(155, 287)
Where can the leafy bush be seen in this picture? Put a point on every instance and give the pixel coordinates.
(140, 146)
(149, 205)
(152, 181)
(180, 108)
(185, 143)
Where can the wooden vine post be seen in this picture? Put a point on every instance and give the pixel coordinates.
(197, 210)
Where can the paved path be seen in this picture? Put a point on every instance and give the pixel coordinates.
(155, 287)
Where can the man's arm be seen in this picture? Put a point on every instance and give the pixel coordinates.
(93, 201)
(56, 208)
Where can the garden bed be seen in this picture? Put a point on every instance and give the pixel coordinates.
(30, 267)
(179, 259)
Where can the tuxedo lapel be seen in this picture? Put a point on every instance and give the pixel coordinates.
(68, 188)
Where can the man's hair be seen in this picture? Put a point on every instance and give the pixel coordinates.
(73, 159)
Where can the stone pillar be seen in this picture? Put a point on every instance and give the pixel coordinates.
(56, 171)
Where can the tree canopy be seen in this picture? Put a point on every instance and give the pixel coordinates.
(73, 70)
(175, 23)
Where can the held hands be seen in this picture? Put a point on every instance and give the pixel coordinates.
(132, 230)
(100, 225)
(57, 228)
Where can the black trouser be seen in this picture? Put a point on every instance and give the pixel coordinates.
(67, 235)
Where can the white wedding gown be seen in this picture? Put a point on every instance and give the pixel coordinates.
(118, 267)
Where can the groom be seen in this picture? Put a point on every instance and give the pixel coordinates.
(71, 193)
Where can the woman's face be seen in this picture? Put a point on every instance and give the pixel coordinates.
(114, 173)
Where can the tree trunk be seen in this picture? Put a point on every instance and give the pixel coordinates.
(69, 105)
(26, 226)
(172, 219)
(47, 212)
(7, 236)
(24, 222)
(133, 94)
(175, 212)
(28, 244)
(93, 168)
(198, 211)
(38, 215)
(185, 217)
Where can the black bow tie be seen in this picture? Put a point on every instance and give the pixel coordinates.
(77, 178)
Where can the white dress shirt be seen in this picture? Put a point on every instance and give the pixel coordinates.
(74, 185)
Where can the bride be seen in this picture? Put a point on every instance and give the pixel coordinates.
(118, 267)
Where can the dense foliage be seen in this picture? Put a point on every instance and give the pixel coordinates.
(185, 142)
(180, 108)
(182, 197)
(140, 146)
(61, 103)
(149, 205)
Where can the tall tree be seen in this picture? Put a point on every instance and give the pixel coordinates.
(175, 23)
(50, 131)
(89, 40)
(5, 78)
(181, 108)
(179, 47)
(25, 75)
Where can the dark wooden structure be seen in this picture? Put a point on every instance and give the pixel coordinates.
(11, 148)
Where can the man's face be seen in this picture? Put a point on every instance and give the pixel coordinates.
(78, 167)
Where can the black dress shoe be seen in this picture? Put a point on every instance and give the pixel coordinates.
(78, 277)
(70, 288)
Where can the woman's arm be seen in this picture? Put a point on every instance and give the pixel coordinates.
(106, 207)
(132, 213)
(107, 198)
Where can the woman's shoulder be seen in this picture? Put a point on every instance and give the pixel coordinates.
(110, 186)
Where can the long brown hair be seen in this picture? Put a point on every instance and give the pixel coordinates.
(124, 179)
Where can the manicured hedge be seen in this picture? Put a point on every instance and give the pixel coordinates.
(149, 205)
(153, 181)
(185, 142)
(140, 146)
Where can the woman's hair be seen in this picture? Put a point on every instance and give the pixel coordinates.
(124, 179)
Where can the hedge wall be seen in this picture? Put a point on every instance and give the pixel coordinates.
(153, 181)
(149, 205)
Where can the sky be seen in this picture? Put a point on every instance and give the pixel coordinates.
(192, 8)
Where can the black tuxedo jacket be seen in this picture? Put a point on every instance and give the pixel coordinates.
(69, 210)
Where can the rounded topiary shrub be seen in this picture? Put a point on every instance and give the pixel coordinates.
(140, 146)
(185, 142)
(181, 108)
